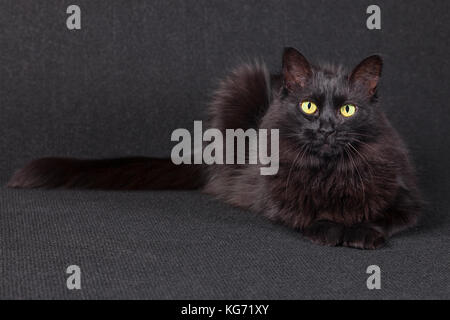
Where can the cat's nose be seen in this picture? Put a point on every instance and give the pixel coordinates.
(326, 132)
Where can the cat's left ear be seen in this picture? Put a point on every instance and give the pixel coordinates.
(296, 69)
(367, 74)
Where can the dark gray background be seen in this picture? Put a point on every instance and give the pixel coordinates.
(139, 69)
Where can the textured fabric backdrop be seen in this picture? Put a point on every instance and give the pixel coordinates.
(139, 69)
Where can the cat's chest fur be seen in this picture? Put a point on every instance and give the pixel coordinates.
(350, 193)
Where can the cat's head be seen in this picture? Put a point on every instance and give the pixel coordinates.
(329, 111)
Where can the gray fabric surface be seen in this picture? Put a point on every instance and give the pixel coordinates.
(163, 245)
(139, 69)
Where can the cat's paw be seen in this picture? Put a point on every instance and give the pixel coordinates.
(363, 237)
(325, 233)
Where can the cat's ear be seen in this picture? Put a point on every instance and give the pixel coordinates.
(296, 69)
(367, 74)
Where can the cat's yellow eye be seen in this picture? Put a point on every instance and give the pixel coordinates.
(308, 107)
(348, 110)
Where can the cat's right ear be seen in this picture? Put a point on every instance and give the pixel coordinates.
(367, 74)
(296, 69)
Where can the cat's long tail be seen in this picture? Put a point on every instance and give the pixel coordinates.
(108, 174)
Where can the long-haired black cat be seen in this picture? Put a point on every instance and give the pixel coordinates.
(344, 175)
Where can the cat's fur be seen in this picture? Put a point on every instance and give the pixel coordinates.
(341, 181)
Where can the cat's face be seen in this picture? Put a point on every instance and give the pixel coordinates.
(329, 111)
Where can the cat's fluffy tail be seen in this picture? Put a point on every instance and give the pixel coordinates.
(107, 174)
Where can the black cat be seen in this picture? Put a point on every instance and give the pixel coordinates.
(344, 175)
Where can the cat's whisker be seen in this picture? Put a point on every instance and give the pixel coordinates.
(355, 167)
(302, 152)
(364, 144)
(363, 158)
(359, 134)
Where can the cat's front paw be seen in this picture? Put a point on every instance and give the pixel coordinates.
(325, 233)
(363, 237)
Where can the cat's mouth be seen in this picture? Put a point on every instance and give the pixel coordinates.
(325, 149)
